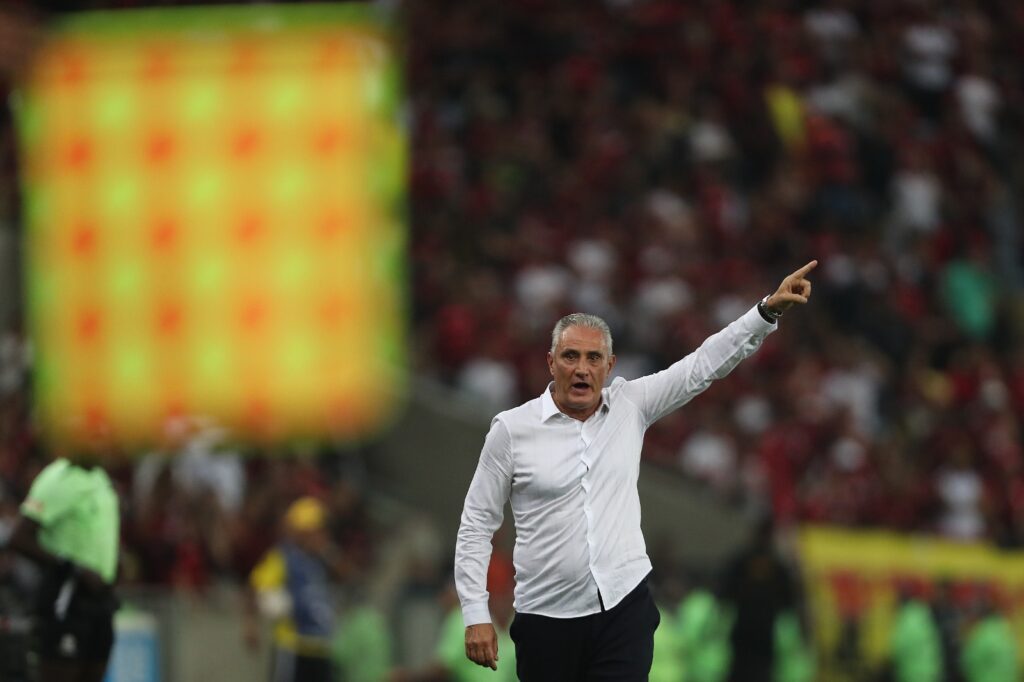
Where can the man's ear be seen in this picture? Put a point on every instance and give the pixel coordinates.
(611, 363)
(551, 363)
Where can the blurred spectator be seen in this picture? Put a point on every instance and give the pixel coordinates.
(915, 645)
(185, 494)
(704, 633)
(990, 649)
(709, 455)
(450, 663)
(794, 661)
(291, 586)
(961, 492)
(19, 580)
(15, 361)
(69, 526)
(362, 646)
(950, 617)
(417, 613)
(759, 587)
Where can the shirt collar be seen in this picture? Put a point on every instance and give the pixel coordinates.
(548, 408)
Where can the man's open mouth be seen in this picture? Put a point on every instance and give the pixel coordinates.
(581, 385)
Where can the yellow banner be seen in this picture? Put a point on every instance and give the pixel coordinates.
(853, 579)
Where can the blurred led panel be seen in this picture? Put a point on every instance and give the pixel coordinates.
(214, 208)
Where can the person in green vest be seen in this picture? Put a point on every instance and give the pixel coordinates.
(989, 652)
(69, 524)
(915, 643)
(450, 663)
(704, 628)
(451, 652)
(361, 648)
(667, 665)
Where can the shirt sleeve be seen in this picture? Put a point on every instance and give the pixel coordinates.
(660, 393)
(482, 514)
(48, 498)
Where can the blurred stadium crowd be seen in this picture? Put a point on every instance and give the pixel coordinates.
(660, 164)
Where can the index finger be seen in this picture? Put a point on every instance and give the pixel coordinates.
(805, 269)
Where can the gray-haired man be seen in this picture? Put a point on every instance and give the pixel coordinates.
(568, 461)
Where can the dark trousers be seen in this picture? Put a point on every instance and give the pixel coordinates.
(73, 622)
(616, 645)
(287, 666)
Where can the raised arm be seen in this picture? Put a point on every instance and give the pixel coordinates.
(660, 393)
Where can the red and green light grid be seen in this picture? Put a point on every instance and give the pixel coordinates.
(214, 207)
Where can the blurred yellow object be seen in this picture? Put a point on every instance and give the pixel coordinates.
(787, 112)
(219, 228)
(857, 573)
(306, 514)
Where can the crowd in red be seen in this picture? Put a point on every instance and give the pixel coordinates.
(663, 164)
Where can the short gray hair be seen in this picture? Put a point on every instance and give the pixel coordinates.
(581, 320)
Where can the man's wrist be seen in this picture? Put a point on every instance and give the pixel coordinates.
(769, 314)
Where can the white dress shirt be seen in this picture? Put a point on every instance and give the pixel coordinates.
(572, 486)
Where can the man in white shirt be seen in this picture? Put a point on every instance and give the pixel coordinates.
(569, 461)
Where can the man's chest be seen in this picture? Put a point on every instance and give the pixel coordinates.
(565, 456)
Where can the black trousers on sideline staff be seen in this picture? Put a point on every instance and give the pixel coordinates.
(616, 645)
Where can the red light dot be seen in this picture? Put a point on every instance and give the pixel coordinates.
(83, 239)
(88, 324)
(245, 143)
(164, 234)
(253, 314)
(257, 414)
(244, 60)
(169, 318)
(159, 147)
(174, 408)
(157, 65)
(78, 153)
(335, 310)
(333, 226)
(249, 229)
(72, 69)
(95, 418)
(332, 54)
(345, 413)
(330, 140)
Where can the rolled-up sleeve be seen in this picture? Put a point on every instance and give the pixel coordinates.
(482, 515)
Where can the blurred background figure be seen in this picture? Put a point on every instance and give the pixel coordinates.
(450, 663)
(759, 587)
(291, 586)
(794, 660)
(70, 526)
(990, 651)
(363, 647)
(915, 642)
(19, 580)
(705, 647)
